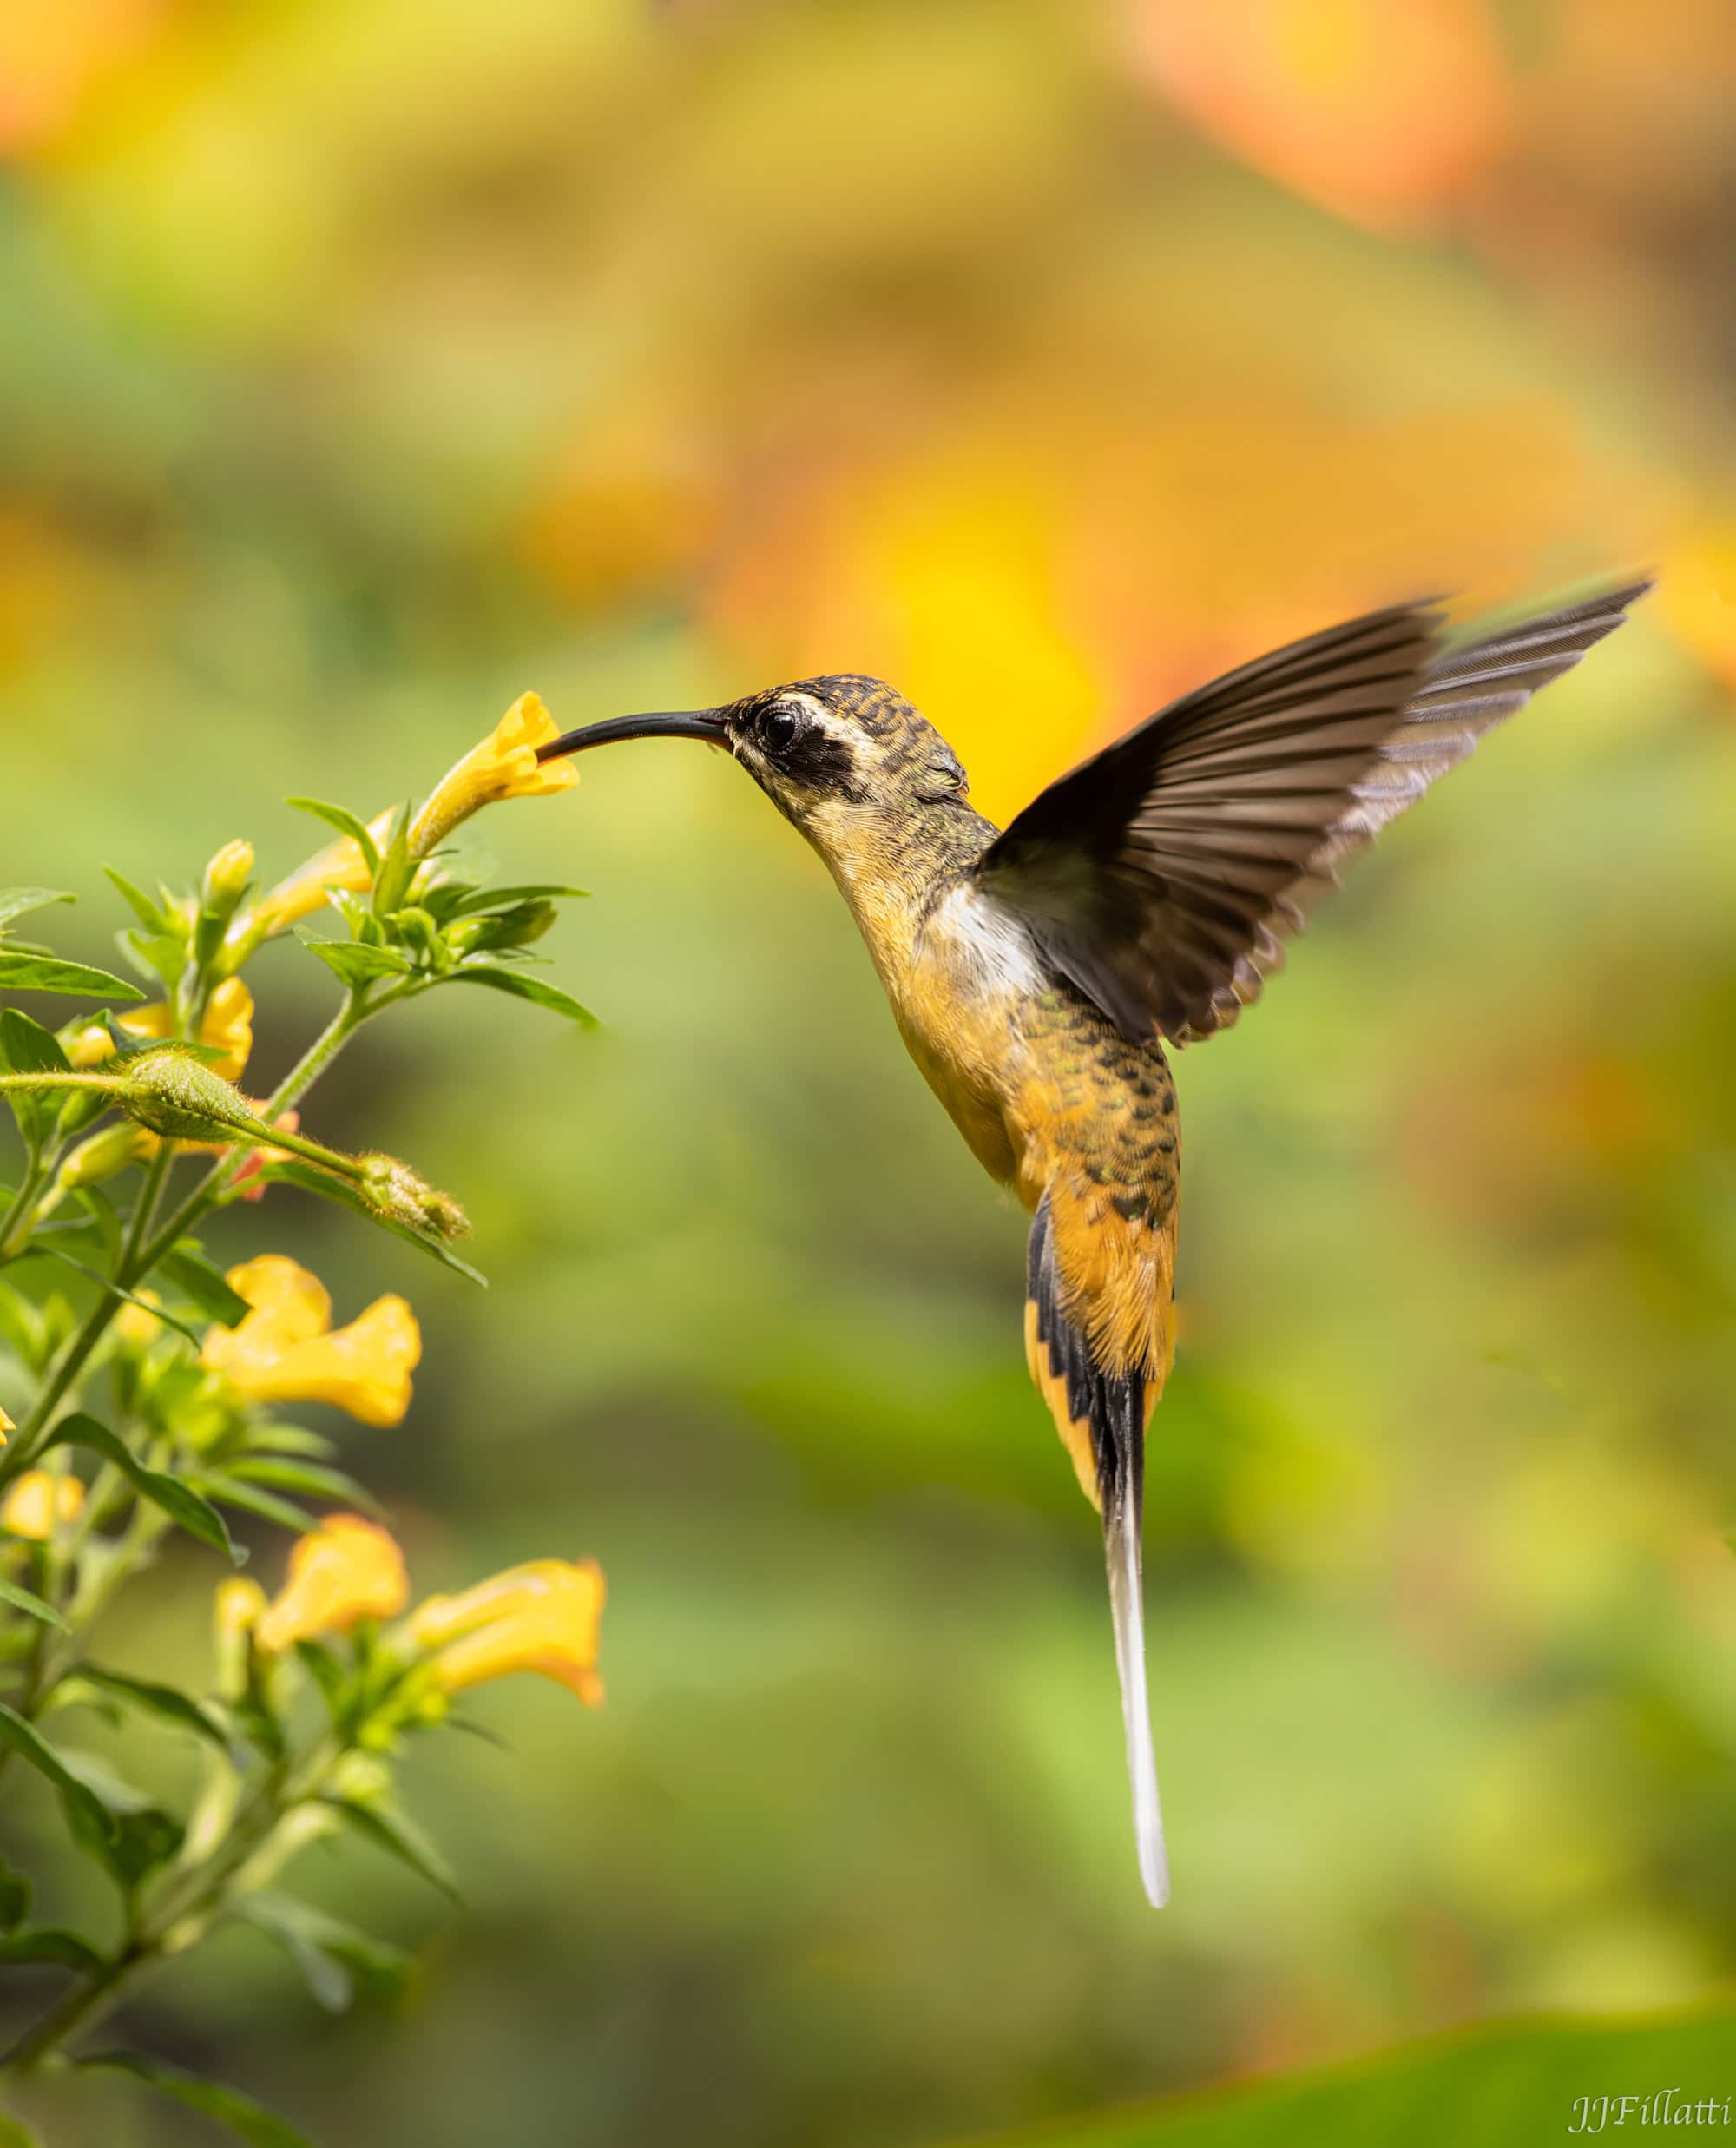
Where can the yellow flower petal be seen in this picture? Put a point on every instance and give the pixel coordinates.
(340, 866)
(6, 1425)
(503, 766)
(286, 1350)
(228, 1027)
(345, 1570)
(289, 1302)
(39, 1502)
(544, 1617)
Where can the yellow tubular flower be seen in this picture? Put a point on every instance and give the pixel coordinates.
(542, 1616)
(40, 1502)
(286, 1350)
(340, 865)
(228, 1027)
(503, 766)
(6, 1425)
(345, 1570)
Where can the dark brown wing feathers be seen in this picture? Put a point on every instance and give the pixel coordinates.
(1159, 875)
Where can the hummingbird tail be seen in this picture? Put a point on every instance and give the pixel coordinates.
(1101, 1417)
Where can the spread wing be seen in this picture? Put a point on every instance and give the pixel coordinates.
(1159, 875)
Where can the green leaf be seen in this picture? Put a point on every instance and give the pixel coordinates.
(143, 1841)
(49, 1249)
(330, 1676)
(31, 1604)
(290, 1171)
(344, 821)
(396, 1833)
(289, 1440)
(13, 2135)
(392, 882)
(46, 973)
(313, 1480)
(186, 1508)
(245, 2118)
(48, 1942)
(89, 1818)
(1507, 2085)
(254, 1500)
(159, 957)
(353, 962)
(332, 1955)
(15, 901)
(195, 1277)
(15, 1897)
(519, 986)
(162, 1701)
(149, 914)
(507, 898)
(27, 1048)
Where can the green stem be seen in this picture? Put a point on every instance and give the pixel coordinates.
(143, 1257)
(294, 1086)
(77, 2006)
(156, 1178)
(54, 1079)
(24, 1200)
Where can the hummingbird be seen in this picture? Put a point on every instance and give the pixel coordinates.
(1037, 971)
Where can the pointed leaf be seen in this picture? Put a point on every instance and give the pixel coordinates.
(51, 1250)
(507, 898)
(331, 1954)
(203, 1281)
(519, 986)
(46, 973)
(149, 913)
(48, 1942)
(89, 1818)
(16, 902)
(344, 821)
(353, 962)
(253, 1499)
(31, 1604)
(246, 2119)
(396, 866)
(313, 1480)
(27, 1048)
(162, 1701)
(186, 1508)
(398, 1835)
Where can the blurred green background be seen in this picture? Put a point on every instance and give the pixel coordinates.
(364, 364)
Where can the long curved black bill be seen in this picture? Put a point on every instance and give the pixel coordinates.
(705, 723)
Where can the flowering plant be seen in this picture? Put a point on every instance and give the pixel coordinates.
(138, 1390)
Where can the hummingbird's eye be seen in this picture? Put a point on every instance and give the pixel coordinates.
(781, 726)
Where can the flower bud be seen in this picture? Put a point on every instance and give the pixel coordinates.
(407, 1198)
(176, 1094)
(227, 878)
(101, 1158)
